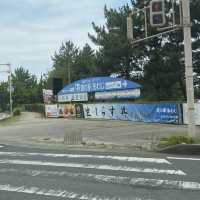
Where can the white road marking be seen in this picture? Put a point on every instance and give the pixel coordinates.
(1, 146)
(180, 158)
(185, 185)
(119, 158)
(98, 167)
(168, 184)
(58, 193)
(51, 192)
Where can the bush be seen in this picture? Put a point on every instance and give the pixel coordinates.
(17, 112)
(174, 140)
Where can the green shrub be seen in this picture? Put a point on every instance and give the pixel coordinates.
(177, 139)
(173, 140)
(17, 112)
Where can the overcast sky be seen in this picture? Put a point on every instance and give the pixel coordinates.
(32, 30)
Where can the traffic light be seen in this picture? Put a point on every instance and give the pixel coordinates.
(157, 13)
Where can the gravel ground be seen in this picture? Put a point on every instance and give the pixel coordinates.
(33, 129)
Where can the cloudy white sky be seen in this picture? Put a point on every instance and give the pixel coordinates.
(32, 30)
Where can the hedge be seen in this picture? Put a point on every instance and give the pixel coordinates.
(39, 108)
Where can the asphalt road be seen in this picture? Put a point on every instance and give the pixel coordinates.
(31, 128)
(35, 174)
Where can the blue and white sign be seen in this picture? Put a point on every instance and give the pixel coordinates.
(119, 94)
(155, 113)
(73, 97)
(99, 84)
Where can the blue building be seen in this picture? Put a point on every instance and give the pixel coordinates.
(99, 88)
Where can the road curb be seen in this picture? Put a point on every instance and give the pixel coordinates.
(184, 149)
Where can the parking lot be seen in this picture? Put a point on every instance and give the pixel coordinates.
(31, 128)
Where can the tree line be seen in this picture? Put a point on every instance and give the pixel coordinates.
(157, 64)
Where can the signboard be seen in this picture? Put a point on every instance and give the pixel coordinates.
(66, 110)
(61, 110)
(120, 94)
(73, 97)
(51, 111)
(158, 113)
(98, 84)
(197, 113)
(79, 111)
(47, 96)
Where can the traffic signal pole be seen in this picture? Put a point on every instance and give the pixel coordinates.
(188, 67)
(157, 19)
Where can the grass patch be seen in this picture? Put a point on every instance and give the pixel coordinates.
(178, 139)
(9, 121)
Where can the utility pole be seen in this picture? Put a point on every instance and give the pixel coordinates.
(10, 88)
(9, 72)
(69, 71)
(188, 67)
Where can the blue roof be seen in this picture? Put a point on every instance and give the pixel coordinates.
(99, 84)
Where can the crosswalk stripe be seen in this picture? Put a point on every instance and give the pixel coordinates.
(58, 193)
(119, 158)
(51, 192)
(181, 158)
(98, 167)
(169, 184)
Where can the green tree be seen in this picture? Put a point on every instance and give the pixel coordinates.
(159, 61)
(64, 63)
(85, 64)
(4, 96)
(25, 87)
(80, 63)
(115, 54)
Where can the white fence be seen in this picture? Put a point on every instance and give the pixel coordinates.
(197, 113)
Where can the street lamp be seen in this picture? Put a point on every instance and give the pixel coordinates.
(9, 72)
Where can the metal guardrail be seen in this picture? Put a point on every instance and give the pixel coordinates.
(73, 137)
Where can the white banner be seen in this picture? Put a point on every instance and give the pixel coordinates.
(51, 111)
(197, 113)
(47, 95)
(119, 94)
(73, 97)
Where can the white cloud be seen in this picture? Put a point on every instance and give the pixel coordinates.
(32, 30)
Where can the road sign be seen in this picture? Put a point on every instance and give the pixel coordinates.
(157, 13)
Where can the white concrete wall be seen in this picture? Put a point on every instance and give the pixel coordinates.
(197, 113)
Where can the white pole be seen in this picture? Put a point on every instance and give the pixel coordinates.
(173, 14)
(189, 67)
(145, 21)
(130, 27)
(69, 71)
